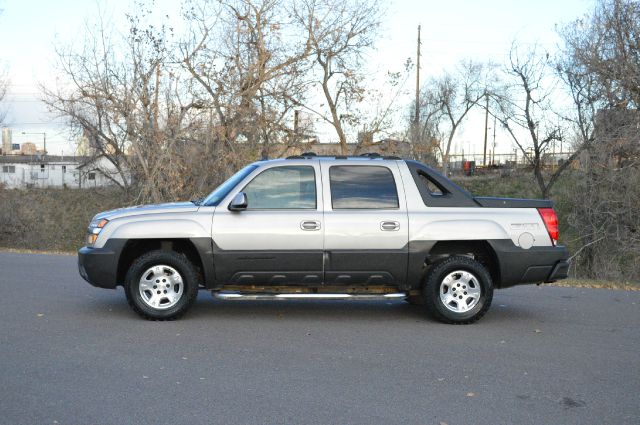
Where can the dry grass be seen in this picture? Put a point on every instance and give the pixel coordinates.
(585, 283)
(52, 219)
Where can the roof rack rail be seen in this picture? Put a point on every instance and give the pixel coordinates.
(304, 155)
(377, 155)
(370, 155)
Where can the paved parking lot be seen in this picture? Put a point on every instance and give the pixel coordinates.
(73, 354)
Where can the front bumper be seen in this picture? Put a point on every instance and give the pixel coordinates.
(99, 266)
(535, 265)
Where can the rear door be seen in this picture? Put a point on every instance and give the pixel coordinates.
(366, 223)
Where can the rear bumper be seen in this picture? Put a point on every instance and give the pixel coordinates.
(99, 266)
(535, 265)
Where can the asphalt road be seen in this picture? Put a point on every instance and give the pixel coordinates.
(74, 354)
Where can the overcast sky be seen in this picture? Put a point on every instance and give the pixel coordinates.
(452, 30)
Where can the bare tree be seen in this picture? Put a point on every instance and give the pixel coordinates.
(606, 224)
(600, 63)
(245, 69)
(425, 135)
(526, 111)
(124, 97)
(606, 44)
(377, 117)
(86, 102)
(340, 33)
(448, 99)
(226, 90)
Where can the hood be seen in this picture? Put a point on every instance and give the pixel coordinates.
(173, 207)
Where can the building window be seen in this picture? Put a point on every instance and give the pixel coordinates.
(9, 169)
(92, 176)
(42, 168)
(64, 169)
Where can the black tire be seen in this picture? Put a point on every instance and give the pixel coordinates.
(478, 279)
(183, 290)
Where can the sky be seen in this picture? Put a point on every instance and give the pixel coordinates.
(452, 30)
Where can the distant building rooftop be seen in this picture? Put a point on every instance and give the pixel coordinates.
(41, 159)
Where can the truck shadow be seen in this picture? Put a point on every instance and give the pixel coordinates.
(322, 310)
(207, 308)
(309, 309)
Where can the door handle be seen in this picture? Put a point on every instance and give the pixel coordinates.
(310, 225)
(389, 226)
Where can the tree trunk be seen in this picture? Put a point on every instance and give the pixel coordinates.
(335, 118)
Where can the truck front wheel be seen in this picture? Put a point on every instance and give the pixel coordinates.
(457, 290)
(161, 285)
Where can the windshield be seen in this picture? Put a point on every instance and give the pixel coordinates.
(221, 191)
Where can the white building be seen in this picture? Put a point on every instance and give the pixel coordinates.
(21, 171)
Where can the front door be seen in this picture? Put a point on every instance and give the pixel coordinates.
(278, 238)
(366, 223)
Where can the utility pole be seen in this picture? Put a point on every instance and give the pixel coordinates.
(493, 159)
(416, 119)
(486, 124)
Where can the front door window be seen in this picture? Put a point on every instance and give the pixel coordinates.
(278, 188)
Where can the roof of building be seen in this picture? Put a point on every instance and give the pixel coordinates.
(42, 159)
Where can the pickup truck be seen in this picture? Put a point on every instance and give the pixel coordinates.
(367, 227)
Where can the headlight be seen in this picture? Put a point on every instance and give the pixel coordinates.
(95, 227)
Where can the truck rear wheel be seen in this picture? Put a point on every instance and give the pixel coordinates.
(457, 290)
(161, 285)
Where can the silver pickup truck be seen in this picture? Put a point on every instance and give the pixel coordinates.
(366, 227)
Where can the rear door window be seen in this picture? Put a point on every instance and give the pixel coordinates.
(362, 187)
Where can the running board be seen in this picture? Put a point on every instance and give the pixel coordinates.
(295, 296)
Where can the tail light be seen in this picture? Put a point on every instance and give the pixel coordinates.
(551, 223)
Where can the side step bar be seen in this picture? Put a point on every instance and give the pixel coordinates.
(226, 295)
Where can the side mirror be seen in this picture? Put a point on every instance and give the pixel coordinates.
(239, 202)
